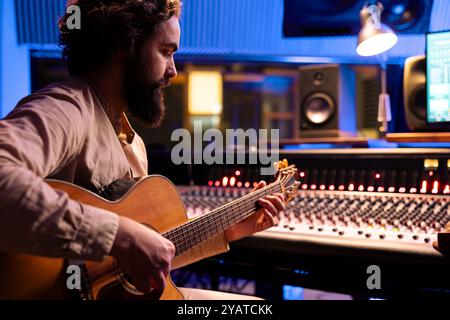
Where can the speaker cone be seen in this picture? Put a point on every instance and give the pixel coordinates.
(318, 108)
(402, 15)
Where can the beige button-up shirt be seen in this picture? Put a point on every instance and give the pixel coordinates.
(62, 132)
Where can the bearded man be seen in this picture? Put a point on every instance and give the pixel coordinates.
(77, 131)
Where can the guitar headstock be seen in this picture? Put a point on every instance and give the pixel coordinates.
(287, 177)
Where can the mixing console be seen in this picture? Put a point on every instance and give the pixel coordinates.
(387, 196)
(378, 216)
(367, 215)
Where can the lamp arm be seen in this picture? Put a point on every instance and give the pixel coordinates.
(384, 100)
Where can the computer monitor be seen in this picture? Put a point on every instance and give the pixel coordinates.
(438, 78)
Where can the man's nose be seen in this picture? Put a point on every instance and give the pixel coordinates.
(171, 71)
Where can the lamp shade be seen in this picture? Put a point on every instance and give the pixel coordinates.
(375, 37)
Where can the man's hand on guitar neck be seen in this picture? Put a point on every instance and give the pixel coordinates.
(261, 220)
(143, 254)
(147, 257)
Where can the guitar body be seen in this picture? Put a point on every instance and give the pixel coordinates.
(153, 201)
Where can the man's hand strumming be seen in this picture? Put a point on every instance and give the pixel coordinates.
(143, 254)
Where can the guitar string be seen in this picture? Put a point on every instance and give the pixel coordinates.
(213, 218)
(201, 226)
(224, 207)
(121, 275)
(180, 233)
(175, 230)
(221, 216)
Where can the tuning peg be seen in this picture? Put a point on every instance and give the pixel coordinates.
(276, 166)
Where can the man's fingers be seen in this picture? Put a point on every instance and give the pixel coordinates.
(266, 204)
(277, 202)
(268, 219)
(158, 282)
(260, 185)
(281, 196)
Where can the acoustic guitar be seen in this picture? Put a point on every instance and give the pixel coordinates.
(154, 202)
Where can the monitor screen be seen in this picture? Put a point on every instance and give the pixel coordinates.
(438, 77)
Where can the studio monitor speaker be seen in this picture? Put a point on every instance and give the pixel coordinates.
(415, 93)
(327, 101)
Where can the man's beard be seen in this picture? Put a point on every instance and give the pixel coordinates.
(144, 97)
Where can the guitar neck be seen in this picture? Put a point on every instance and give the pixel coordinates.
(217, 221)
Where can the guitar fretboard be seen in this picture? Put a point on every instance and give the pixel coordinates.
(217, 221)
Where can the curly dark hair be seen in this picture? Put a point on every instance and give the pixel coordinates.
(109, 26)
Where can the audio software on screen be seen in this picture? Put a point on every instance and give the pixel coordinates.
(438, 76)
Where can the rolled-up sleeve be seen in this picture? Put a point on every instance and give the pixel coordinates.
(37, 139)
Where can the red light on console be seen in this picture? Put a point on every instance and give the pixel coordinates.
(225, 181)
(341, 187)
(380, 189)
(232, 181)
(237, 173)
(361, 188)
(447, 189)
(247, 184)
(331, 188)
(255, 184)
(304, 186)
(239, 184)
(402, 189)
(217, 184)
(322, 187)
(370, 188)
(391, 189)
(377, 176)
(302, 174)
(210, 183)
(413, 190)
(430, 173)
(423, 189)
(435, 187)
(313, 187)
(351, 187)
